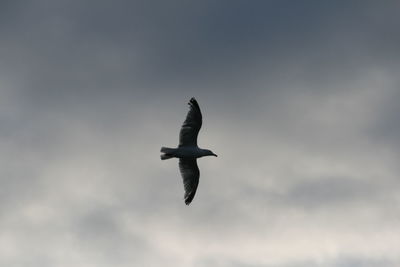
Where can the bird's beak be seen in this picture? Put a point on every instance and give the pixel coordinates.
(215, 155)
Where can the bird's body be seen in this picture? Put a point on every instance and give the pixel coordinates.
(188, 151)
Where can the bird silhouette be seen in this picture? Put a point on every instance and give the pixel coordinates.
(188, 151)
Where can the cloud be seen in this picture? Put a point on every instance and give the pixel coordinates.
(298, 99)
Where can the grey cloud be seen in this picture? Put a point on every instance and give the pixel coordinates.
(332, 191)
(356, 262)
(174, 43)
(305, 91)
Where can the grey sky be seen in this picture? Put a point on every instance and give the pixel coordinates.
(299, 99)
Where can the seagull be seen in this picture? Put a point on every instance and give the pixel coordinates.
(188, 151)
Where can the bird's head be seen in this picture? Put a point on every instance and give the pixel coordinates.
(208, 152)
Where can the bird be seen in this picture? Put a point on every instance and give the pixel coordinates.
(187, 151)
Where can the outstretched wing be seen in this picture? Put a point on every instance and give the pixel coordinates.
(190, 175)
(191, 126)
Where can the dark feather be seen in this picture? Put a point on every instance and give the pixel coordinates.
(191, 126)
(190, 175)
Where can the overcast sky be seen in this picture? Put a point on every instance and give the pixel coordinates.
(300, 101)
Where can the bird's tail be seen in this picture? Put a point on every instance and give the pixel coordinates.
(167, 150)
(166, 156)
(168, 153)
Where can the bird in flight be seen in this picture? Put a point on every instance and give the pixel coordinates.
(188, 151)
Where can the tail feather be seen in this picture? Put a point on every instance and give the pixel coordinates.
(167, 150)
(168, 153)
(166, 156)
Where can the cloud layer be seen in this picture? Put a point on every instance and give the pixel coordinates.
(299, 101)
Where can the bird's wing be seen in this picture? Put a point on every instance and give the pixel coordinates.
(191, 126)
(190, 175)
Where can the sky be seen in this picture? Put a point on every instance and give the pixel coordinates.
(300, 100)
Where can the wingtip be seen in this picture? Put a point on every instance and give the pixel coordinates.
(189, 197)
(187, 201)
(193, 103)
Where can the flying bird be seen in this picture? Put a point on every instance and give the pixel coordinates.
(188, 151)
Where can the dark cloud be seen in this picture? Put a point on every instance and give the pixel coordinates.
(299, 102)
